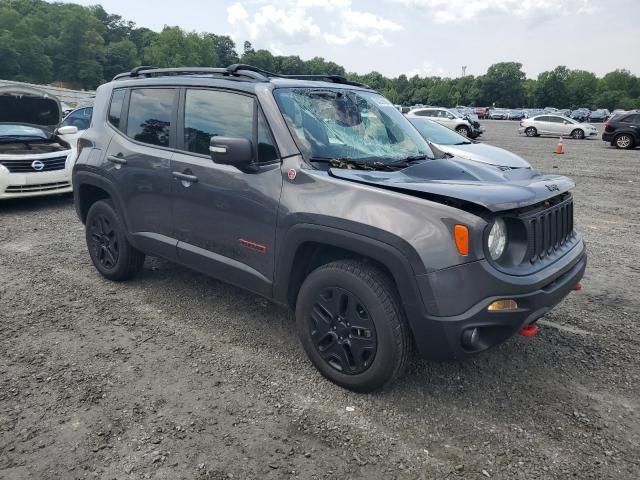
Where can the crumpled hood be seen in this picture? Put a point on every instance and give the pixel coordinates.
(481, 152)
(26, 105)
(484, 185)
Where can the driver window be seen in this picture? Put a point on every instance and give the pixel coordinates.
(210, 112)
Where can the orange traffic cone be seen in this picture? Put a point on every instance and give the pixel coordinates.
(560, 147)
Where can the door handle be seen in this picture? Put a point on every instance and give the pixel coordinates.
(185, 177)
(117, 160)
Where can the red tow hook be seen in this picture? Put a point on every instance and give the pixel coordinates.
(529, 331)
(577, 287)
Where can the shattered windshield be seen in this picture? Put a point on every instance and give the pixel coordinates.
(349, 125)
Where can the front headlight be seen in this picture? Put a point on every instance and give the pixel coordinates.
(3, 170)
(497, 240)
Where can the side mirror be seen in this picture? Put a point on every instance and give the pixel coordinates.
(450, 117)
(68, 130)
(231, 151)
(565, 122)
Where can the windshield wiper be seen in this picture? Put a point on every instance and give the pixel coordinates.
(350, 163)
(463, 143)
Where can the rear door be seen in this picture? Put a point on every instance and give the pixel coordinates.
(225, 219)
(543, 124)
(138, 161)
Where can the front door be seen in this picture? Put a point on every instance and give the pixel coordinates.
(225, 219)
(139, 160)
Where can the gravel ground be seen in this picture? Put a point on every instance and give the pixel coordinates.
(175, 375)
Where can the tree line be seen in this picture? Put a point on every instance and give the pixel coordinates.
(43, 42)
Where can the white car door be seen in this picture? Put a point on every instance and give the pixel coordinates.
(543, 124)
(447, 119)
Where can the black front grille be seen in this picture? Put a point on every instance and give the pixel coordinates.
(549, 229)
(26, 165)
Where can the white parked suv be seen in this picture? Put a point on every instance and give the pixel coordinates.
(449, 118)
(35, 158)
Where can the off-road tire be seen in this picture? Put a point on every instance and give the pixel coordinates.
(124, 261)
(378, 295)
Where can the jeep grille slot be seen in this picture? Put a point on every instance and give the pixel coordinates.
(26, 165)
(549, 229)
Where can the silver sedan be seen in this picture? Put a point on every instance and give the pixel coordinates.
(556, 125)
(454, 144)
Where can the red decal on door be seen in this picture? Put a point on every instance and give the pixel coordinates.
(253, 246)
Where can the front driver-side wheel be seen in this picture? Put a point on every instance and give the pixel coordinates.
(531, 132)
(351, 325)
(111, 253)
(578, 134)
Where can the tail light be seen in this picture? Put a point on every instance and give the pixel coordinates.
(606, 125)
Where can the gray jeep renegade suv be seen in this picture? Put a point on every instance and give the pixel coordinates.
(318, 194)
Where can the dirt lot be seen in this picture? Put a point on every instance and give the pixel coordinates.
(175, 375)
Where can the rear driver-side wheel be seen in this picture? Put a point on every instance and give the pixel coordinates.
(352, 326)
(624, 141)
(111, 253)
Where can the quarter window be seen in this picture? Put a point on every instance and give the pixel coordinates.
(266, 146)
(150, 112)
(209, 113)
(115, 109)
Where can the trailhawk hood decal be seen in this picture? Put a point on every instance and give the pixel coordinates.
(484, 185)
(26, 105)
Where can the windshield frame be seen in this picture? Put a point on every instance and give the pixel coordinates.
(373, 98)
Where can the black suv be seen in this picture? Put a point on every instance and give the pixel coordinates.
(623, 130)
(318, 194)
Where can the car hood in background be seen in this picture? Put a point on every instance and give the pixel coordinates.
(489, 154)
(28, 105)
(467, 180)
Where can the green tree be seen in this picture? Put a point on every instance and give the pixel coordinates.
(552, 88)
(225, 49)
(503, 85)
(582, 87)
(120, 57)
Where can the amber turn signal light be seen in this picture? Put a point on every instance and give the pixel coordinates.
(461, 237)
(502, 305)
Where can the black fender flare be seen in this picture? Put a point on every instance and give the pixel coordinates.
(87, 177)
(394, 253)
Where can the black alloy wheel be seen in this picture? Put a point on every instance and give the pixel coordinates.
(110, 251)
(104, 241)
(342, 331)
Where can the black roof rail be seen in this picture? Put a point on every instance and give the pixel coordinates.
(237, 70)
(148, 71)
(236, 67)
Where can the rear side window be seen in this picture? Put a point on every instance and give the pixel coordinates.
(115, 109)
(150, 114)
(632, 119)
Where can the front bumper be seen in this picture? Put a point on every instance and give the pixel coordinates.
(21, 185)
(440, 337)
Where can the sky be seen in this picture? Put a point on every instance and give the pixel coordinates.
(424, 37)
